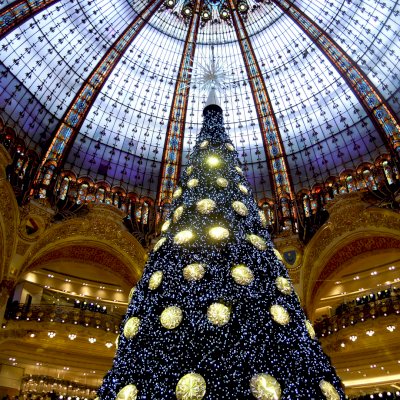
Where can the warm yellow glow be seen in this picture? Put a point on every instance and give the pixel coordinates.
(218, 314)
(265, 387)
(243, 189)
(155, 280)
(240, 208)
(171, 317)
(189, 170)
(263, 219)
(183, 237)
(239, 170)
(218, 233)
(329, 391)
(278, 255)
(194, 272)
(159, 244)
(204, 144)
(177, 214)
(131, 293)
(193, 183)
(242, 274)
(213, 161)
(165, 225)
(222, 182)
(177, 193)
(131, 327)
(279, 314)
(310, 329)
(128, 392)
(205, 206)
(191, 387)
(116, 342)
(229, 146)
(283, 285)
(257, 241)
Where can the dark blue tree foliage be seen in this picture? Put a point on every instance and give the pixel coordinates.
(229, 357)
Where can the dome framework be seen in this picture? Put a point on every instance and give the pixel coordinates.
(312, 89)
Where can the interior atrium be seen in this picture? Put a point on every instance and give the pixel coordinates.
(100, 106)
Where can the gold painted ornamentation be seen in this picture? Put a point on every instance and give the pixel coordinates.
(178, 214)
(243, 189)
(116, 342)
(240, 208)
(204, 144)
(171, 317)
(218, 314)
(310, 329)
(263, 218)
(183, 237)
(128, 392)
(218, 233)
(265, 387)
(242, 274)
(131, 327)
(205, 206)
(194, 272)
(283, 285)
(279, 314)
(155, 280)
(193, 183)
(191, 387)
(257, 241)
(131, 293)
(278, 255)
(222, 182)
(213, 161)
(329, 391)
(239, 170)
(177, 193)
(159, 244)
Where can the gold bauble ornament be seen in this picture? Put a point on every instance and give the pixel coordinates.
(171, 317)
(310, 329)
(128, 392)
(183, 237)
(218, 314)
(239, 170)
(278, 255)
(218, 233)
(329, 390)
(265, 387)
(155, 280)
(178, 214)
(242, 274)
(279, 314)
(194, 272)
(243, 189)
(159, 244)
(193, 183)
(240, 208)
(283, 285)
(177, 193)
(204, 144)
(165, 225)
(191, 387)
(213, 161)
(222, 182)
(131, 293)
(189, 170)
(205, 206)
(229, 146)
(257, 241)
(263, 218)
(131, 327)
(116, 342)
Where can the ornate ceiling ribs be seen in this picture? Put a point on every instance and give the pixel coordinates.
(381, 114)
(18, 12)
(79, 108)
(281, 183)
(172, 153)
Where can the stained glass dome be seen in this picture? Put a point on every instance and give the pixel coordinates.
(106, 90)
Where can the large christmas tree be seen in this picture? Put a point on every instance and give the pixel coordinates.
(215, 315)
